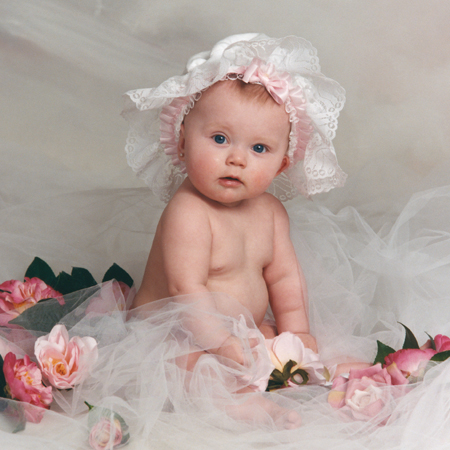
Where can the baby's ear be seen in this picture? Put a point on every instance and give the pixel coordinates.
(284, 164)
(181, 142)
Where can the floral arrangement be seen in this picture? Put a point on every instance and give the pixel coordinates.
(363, 394)
(36, 305)
(367, 393)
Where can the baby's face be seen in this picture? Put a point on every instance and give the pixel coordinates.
(233, 145)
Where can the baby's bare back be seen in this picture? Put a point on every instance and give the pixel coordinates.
(238, 247)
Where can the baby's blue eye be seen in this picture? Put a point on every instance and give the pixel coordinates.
(259, 148)
(219, 139)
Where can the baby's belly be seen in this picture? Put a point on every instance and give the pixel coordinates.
(250, 291)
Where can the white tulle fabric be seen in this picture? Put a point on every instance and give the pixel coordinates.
(312, 101)
(367, 267)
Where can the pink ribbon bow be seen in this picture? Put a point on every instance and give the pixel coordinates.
(277, 84)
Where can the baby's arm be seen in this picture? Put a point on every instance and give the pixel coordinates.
(286, 283)
(186, 237)
(186, 240)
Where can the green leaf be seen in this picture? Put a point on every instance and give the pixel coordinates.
(287, 369)
(65, 284)
(410, 339)
(442, 356)
(44, 315)
(3, 383)
(277, 376)
(433, 344)
(79, 279)
(12, 416)
(83, 278)
(272, 385)
(115, 272)
(383, 351)
(40, 269)
(303, 373)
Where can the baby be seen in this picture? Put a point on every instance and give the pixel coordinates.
(243, 115)
(222, 232)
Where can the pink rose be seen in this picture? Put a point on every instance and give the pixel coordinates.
(407, 363)
(24, 380)
(364, 395)
(65, 362)
(17, 296)
(105, 434)
(289, 347)
(442, 343)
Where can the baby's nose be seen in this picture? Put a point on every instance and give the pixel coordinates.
(237, 156)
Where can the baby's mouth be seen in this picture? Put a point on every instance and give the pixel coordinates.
(231, 181)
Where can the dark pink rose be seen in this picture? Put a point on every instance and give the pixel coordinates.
(24, 381)
(408, 365)
(17, 296)
(105, 434)
(442, 343)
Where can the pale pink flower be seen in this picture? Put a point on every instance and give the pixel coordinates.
(105, 434)
(24, 380)
(442, 343)
(17, 296)
(289, 347)
(365, 394)
(408, 365)
(65, 363)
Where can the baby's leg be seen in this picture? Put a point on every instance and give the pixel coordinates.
(255, 408)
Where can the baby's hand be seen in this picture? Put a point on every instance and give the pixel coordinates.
(308, 341)
(232, 349)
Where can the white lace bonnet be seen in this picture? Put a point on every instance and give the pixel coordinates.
(288, 68)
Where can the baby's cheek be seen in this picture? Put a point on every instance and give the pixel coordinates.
(263, 180)
(197, 168)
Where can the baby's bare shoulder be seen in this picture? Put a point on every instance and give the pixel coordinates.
(184, 216)
(184, 203)
(271, 203)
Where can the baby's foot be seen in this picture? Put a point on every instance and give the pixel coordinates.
(344, 368)
(258, 409)
(288, 420)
